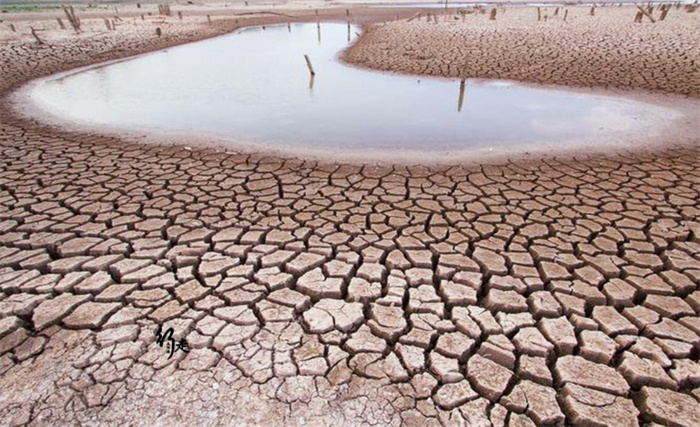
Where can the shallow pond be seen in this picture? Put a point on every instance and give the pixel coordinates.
(253, 87)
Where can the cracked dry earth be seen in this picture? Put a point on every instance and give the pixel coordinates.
(606, 50)
(546, 292)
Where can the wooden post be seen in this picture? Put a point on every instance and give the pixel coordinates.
(647, 14)
(107, 24)
(461, 96)
(209, 19)
(308, 64)
(556, 11)
(593, 11)
(638, 18)
(179, 15)
(60, 24)
(539, 14)
(566, 13)
(158, 32)
(493, 14)
(72, 12)
(12, 27)
(38, 40)
(664, 12)
(72, 19)
(289, 27)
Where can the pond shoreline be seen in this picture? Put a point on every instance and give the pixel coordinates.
(684, 131)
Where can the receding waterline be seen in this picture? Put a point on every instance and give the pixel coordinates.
(254, 86)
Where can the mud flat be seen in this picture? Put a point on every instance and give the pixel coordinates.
(543, 292)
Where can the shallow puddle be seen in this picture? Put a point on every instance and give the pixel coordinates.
(253, 86)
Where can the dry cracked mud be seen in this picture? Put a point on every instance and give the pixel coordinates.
(542, 292)
(605, 50)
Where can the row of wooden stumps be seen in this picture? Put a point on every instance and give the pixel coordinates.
(556, 13)
(110, 24)
(70, 15)
(648, 12)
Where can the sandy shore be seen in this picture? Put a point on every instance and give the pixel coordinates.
(542, 292)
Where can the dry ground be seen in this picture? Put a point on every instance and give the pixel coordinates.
(604, 50)
(549, 292)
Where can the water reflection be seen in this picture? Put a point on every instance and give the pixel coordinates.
(255, 86)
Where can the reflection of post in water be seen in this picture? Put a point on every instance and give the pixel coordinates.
(461, 96)
(289, 27)
(318, 27)
(311, 82)
(348, 30)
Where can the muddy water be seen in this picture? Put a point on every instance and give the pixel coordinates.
(253, 86)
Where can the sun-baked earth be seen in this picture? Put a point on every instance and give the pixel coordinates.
(542, 292)
(604, 50)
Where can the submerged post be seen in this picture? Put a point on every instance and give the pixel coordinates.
(308, 64)
(461, 95)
